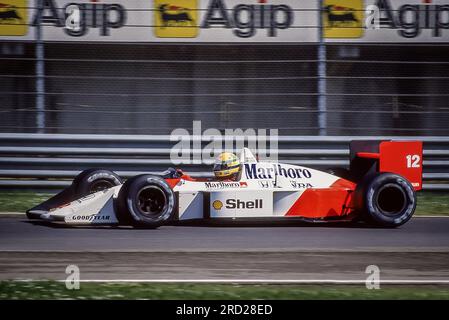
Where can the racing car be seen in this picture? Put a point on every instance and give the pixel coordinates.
(379, 188)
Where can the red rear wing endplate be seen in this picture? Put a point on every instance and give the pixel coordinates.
(400, 157)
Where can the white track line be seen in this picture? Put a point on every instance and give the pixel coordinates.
(247, 281)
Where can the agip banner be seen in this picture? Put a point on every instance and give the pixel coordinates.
(162, 20)
(227, 21)
(392, 21)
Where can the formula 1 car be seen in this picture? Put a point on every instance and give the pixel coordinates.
(379, 188)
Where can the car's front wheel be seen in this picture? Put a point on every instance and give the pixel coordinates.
(85, 183)
(94, 180)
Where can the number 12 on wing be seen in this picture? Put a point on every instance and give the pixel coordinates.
(413, 161)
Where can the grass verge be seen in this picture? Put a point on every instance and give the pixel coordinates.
(429, 203)
(433, 203)
(20, 201)
(57, 290)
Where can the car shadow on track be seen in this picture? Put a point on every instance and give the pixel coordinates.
(61, 225)
(277, 224)
(216, 224)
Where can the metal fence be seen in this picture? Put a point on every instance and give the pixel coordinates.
(153, 88)
(51, 160)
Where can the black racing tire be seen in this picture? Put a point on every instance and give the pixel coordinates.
(94, 180)
(145, 201)
(385, 199)
(340, 172)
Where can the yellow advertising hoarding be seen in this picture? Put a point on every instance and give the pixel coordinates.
(176, 18)
(13, 17)
(343, 18)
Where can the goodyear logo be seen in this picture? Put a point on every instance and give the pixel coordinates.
(217, 204)
(176, 18)
(13, 17)
(343, 18)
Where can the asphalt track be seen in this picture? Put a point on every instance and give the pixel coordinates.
(419, 250)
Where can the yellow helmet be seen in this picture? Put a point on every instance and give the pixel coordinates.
(226, 165)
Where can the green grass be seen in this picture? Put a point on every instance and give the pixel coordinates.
(433, 203)
(57, 290)
(429, 203)
(11, 201)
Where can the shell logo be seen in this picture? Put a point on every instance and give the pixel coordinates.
(217, 204)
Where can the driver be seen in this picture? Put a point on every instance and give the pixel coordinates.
(227, 166)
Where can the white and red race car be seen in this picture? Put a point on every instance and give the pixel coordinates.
(379, 189)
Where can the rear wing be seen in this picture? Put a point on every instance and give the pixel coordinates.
(400, 157)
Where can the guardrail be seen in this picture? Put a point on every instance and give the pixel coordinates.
(52, 160)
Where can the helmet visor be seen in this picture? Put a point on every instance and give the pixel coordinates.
(224, 166)
(220, 166)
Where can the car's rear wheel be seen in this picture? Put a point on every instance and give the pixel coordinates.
(385, 199)
(145, 200)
